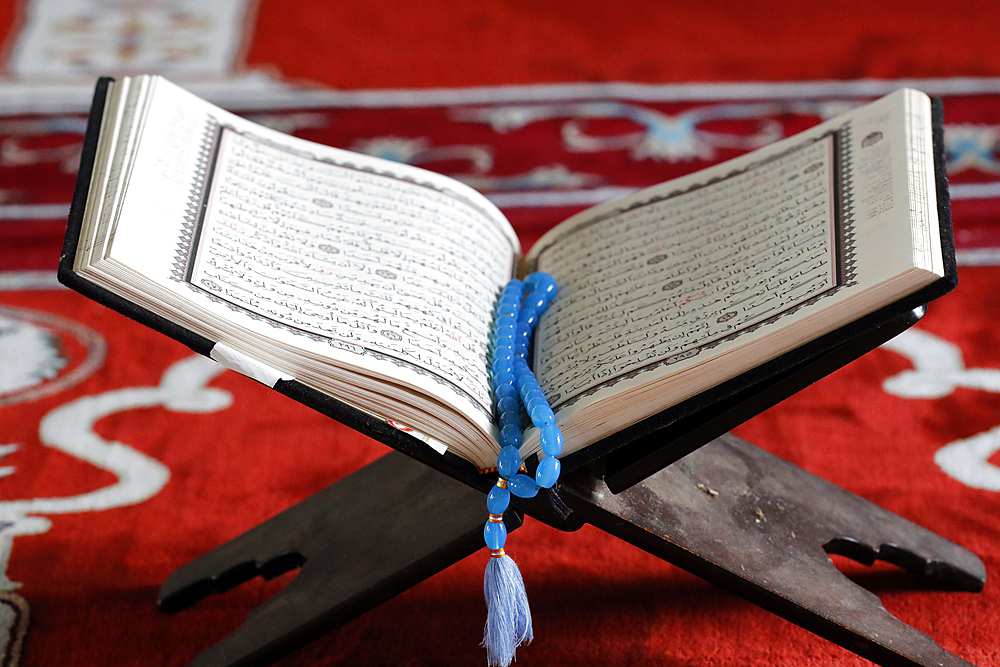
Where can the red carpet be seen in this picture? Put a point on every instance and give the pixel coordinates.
(122, 457)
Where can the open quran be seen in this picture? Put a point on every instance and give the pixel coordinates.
(367, 288)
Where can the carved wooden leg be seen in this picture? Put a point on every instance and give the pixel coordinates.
(761, 527)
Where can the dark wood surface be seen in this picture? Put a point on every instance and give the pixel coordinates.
(762, 528)
(729, 512)
(359, 542)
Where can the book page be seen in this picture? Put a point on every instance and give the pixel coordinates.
(668, 277)
(317, 262)
(673, 290)
(366, 262)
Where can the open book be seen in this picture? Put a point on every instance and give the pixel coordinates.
(370, 286)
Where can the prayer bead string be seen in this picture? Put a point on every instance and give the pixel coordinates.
(521, 305)
(517, 394)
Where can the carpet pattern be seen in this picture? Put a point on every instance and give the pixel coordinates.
(123, 456)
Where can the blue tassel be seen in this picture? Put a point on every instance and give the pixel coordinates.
(508, 618)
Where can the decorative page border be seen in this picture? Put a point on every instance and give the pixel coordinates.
(844, 252)
(194, 212)
(187, 247)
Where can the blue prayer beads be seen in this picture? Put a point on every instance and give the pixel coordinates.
(522, 486)
(511, 418)
(541, 283)
(527, 321)
(552, 440)
(497, 500)
(548, 472)
(533, 306)
(506, 389)
(510, 436)
(508, 461)
(542, 415)
(520, 307)
(516, 393)
(495, 532)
